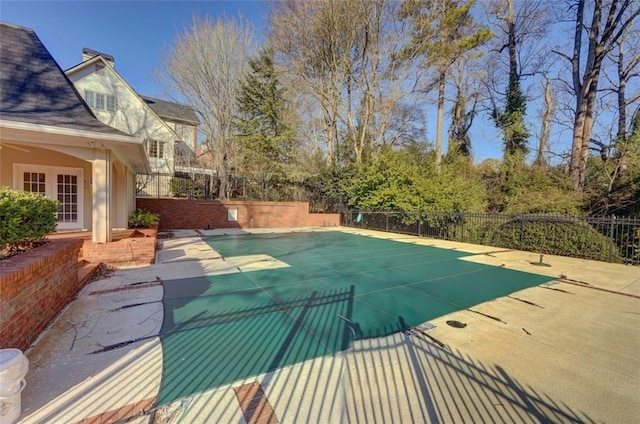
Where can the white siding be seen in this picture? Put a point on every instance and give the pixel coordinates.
(132, 115)
(186, 132)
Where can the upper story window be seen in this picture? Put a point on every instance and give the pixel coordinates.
(155, 148)
(111, 103)
(100, 101)
(184, 131)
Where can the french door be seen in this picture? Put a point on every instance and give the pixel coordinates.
(60, 183)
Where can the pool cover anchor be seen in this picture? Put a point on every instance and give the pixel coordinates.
(540, 262)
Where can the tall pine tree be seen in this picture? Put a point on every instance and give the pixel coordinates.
(263, 126)
(443, 31)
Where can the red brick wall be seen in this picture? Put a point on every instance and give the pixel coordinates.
(211, 214)
(128, 251)
(34, 287)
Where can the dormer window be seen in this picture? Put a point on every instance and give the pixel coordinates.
(111, 103)
(100, 101)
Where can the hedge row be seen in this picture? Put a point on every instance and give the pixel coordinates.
(569, 238)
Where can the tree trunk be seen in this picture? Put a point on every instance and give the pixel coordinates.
(621, 137)
(578, 123)
(546, 120)
(513, 53)
(600, 43)
(440, 120)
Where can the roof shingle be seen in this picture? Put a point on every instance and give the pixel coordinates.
(35, 90)
(171, 110)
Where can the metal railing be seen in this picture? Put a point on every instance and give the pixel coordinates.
(161, 185)
(195, 185)
(610, 239)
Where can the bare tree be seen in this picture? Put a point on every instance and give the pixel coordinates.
(627, 63)
(620, 69)
(204, 64)
(521, 26)
(340, 53)
(443, 32)
(609, 20)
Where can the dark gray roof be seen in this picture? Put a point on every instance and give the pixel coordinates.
(171, 110)
(94, 53)
(33, 88)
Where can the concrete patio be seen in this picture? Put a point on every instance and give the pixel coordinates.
(565, 351)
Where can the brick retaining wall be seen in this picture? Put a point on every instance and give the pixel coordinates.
(137, 250)
(211, 214)
(34, 287)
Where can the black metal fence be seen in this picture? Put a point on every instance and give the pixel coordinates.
(609, 239)
(206, 186)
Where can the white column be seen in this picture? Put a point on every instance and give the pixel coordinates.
(120, 195)
(101, 196)
(131, 192)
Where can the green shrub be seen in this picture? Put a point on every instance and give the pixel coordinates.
(186, 187)
(25, 219)
(554, 236)
(143, 219)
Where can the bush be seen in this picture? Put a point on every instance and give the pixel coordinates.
(25, 219)
(515, 188)
(143, 219)
(187, 187)
(554, 236)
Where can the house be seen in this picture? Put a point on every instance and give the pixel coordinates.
(169, 129)
(52, 143)
(116, 103)
(181, 118)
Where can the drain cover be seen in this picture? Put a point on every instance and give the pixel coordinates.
(456, 324)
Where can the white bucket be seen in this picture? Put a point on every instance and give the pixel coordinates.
(13, 368)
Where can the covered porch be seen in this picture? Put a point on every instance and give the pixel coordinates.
(91, 175)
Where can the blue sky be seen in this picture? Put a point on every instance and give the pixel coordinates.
(135, 32)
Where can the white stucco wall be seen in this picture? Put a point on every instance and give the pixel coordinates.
(46, 158)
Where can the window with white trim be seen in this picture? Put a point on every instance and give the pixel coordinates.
(111, 103)
(100, 101)
(90, 98)
(155, 148)
(34, 182)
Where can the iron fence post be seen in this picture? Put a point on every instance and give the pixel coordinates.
(612, 218)
(521, 231)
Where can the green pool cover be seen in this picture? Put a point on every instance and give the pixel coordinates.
(339, 287)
